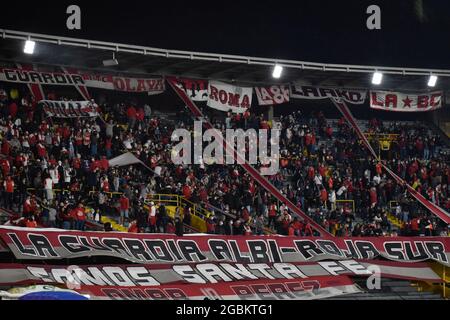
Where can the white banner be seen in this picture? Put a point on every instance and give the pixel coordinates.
(310, 92)
(124, 160)
(36, 77)
(111, 82)
(272, 95)
(405, 102)
(69, 109)
(196, 90)
(225, 97)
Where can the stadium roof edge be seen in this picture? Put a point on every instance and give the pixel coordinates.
(203, 56)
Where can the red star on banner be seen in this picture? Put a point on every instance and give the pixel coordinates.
(407, 102)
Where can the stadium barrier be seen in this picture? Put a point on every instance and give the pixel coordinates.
(343, 202)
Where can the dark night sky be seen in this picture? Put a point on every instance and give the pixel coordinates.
(322, 31)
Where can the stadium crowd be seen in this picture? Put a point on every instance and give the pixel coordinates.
(55, 173)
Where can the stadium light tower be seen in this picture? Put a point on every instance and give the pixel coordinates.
(432, 80)
(28, 48)
(277, 70)
(377, 78)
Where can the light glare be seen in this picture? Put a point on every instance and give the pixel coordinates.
(277, 71)
(29, 47)
(377, 77)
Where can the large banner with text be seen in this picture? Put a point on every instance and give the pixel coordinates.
(353, 96)
(226, 97)
(406, 102)
(82, 78)
(198, 266)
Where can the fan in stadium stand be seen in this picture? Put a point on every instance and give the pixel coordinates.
(167, 174)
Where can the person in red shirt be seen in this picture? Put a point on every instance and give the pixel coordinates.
(311, 172)
(291, 230)
(415, 226)
(41, 151)
(308, 230)
(330, 183)
(6, 167)
(308, 139)
(80, 216)
(104, 164)
(373, 197)
(27, 209)
(245, 215)
(284, 162)
(78, 140)
(133, 227)
(12, 108)
(324, 196)
(210, 226)
(108, 148)
(95, 164)
(6, 147)
(272, 215)
(104, 185)
(76, 162)
(124, 208)
(378, 168)
(297, 226)
(203, 195)
(170, 228)
(9, 192)
(31, 222)
(140, 114)
(247, 230)
(187, 191)
(329, 131)
(131, 115)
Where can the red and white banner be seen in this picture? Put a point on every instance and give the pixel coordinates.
(196, 90)
(310, 289)
(81, 79)
(272, 95)
(215, 267)
(82, 90)
(405, 102)
(53, 244)
(27, 75)
(35, 88)
(353, 96)
(111, 82)
(204, 273)
(226, 97)
(69, 109)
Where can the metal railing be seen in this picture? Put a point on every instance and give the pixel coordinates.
(204, 56)
(352, 202)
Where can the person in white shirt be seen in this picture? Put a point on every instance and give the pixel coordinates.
(152, 217)
(67, 176)
(52, 217)
(367, 174)
(377, 179)
(341, 191)
(147, 111)
(318, 179)
(54, 175)
(48, 186)
(332, 199)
